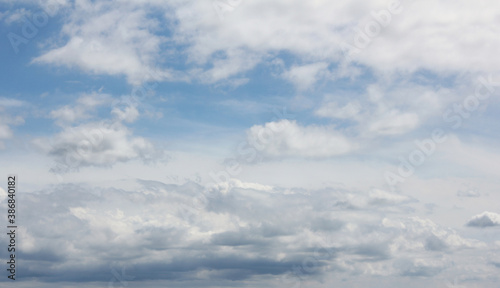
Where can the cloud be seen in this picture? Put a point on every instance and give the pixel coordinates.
(14, 16)
(85, 141)
(379, 110)
(10, 102)
(468, 193)
(128, 38)
(8, 106)
(110, 38)
(315, 31)
(5, 132)
(305, 76)
(96, 144)
(286, 138)
(380, 197)
(394, 123)
(485, 219)
(157, 232)
(128, 114)
(332, 110)
(419, 267)
(85, 105)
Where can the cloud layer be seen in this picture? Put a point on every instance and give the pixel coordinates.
(79, 233)
(225, 40)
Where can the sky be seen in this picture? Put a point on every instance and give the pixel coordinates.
(238, 143)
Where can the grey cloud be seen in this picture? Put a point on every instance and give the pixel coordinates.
(434, 243)
(415, 269)
(83, 141)
(77, 232)
(485, 219)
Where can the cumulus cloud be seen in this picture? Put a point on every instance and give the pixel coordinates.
(85, 141)
(188, 233)
(485, 219)
(287, 138)
(83, 109)
(127, 40)
(317, 29)
(113, 38)
(96, 144)
(387, 109)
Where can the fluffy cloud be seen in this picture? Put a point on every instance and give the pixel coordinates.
(306, 76)
(86, 142)
(188, 234)
(287, 138)
(332, 110)
(110, 38)
(96, 144)
(485, 219)
(383, 109)
(83, 109)
(121, 37)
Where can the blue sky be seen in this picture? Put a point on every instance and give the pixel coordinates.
(252, 143)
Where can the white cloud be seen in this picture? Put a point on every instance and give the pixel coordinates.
(380, 197)
(10, 102)
(128, 114)
(121, 38)
(68, 115)
(7, 107)
(305, 76)
(5, 132)
(82, 110)
(384, 109)
(110, 38)
(239, 231)
(315, 30)
(85, 141)
(332, 110)
(485, 219)
(394, 122)
(286, 138)
(96, 144)
(14, 16)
